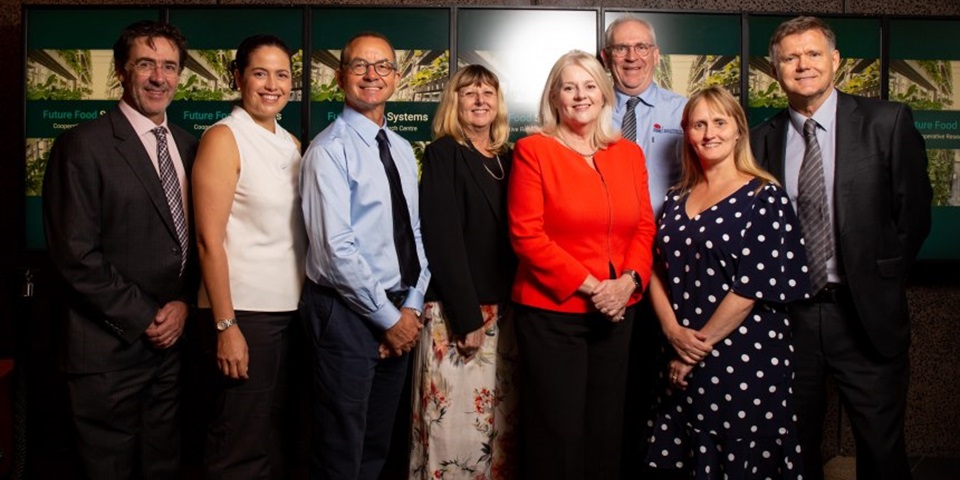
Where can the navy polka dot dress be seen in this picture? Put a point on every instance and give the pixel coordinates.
(735, 419)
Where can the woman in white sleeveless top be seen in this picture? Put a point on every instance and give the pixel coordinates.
(251, 242)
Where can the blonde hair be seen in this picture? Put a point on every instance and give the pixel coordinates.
(604, 133)
(447, 119)
(720, 100)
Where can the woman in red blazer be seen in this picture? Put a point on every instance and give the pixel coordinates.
(582, 227)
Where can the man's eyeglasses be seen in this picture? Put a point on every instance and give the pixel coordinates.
(360, 67)
(620, 50)
(146, 67)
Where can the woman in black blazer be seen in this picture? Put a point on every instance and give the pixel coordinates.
(463, 403)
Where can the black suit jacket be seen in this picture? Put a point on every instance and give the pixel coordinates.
(464, 233)
(111, 237)
(882, 200)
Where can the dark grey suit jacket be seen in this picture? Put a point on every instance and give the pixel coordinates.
(111, 237)
(882, 200)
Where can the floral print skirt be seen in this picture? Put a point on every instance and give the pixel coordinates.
(464, 412)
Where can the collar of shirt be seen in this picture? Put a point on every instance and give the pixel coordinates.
(825, 116)
(141, 124)
(648, 97)
(366, 129)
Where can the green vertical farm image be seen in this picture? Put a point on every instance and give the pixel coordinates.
(924, 66)
(69, 76)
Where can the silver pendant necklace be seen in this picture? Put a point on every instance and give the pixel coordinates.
(565, 143)
(503, 172)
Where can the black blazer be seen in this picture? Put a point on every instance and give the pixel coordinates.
(464, 233)
(111, 237)
(882, 201)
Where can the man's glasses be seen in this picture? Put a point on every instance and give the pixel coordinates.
(360, 67)
(146, 67)
(620, 50)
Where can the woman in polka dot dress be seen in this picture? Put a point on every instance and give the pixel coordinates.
(729, 256)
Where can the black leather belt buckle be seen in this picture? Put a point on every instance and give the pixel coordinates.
(830, 293)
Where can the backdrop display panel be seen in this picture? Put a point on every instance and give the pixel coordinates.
(69, 74)
(858, 40)
(520, 46)
(421, 38)
(696, 50)
(205, 94)
(925, 74)
(69, 78)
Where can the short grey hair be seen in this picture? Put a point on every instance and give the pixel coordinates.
(800, 25)
(629, 17)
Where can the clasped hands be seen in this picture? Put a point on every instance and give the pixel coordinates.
(691, 348)
(610, 297)
(402, 336)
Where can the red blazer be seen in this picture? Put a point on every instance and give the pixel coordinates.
(568, 220)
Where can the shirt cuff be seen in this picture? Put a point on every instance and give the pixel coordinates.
(414, 300)
(386, 317)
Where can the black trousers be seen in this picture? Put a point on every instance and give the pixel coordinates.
(356, 393)
(574, 384)
(127, 420)
(829, 341)
(245, 438)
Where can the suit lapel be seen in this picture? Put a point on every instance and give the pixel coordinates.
(848, 123)
(776, 144)
(478, 172)
(131, 150)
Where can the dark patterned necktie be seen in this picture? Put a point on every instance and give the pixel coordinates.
(629, 130)
(171, 189)
(813, 210)
(402, 230)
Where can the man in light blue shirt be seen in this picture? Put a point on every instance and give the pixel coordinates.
(631, 54)
(649, 116)
(366, 268)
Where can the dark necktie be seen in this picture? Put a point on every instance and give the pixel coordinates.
(171, 189)
(813, 210)
(629, 128)
(402, 230)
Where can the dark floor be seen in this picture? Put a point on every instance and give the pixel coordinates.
(931, 468)
(924, 468)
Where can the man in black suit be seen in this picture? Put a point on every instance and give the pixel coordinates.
(116, 213)
(864, 206)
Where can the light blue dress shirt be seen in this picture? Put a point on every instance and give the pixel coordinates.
(826, 117)
(659, 135)
(346, 209)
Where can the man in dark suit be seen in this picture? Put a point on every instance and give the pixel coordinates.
(855, 169)
(116, 214)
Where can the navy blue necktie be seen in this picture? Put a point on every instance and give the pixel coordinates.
(402, 230)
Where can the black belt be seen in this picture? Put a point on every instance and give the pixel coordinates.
(830, 293)
(397, 298)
